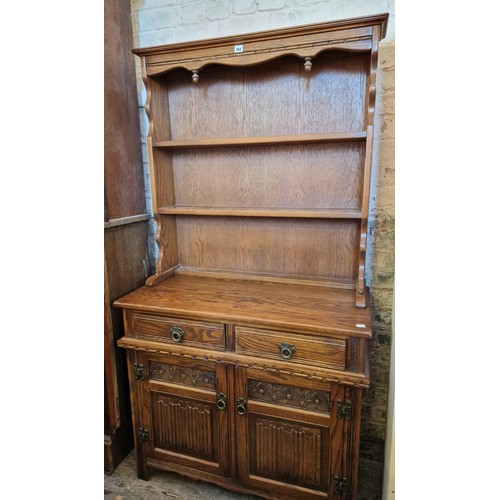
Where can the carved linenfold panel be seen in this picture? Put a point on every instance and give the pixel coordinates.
(183, 425)
(181, 375)
(288, 451)
(285, 395)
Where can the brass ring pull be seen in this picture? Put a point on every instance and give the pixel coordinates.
(286, 350)
(241, 406)
(221, 401)
(177, 333)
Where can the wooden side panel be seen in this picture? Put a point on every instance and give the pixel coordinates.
(123, 171)
(138, 417)
(167, 239)
(352, 434)
(313, 176)
(316, 248)
(162, 187)
(369, 120)
(127, 258)
(159, 110)
(278, 98)
(111, 409)
(338, 445)
(126, 268)
(164, 178)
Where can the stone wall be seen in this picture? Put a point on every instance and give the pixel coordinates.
(156, 22)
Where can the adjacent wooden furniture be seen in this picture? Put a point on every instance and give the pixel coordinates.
(247, 349)
(126, 263)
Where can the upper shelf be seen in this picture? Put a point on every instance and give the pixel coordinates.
(264, 140)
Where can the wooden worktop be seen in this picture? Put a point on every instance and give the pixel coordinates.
(317, 309)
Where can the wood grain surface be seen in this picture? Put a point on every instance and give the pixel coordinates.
(309, 349)
(197, 333)
(299, 308)
(122, 152)
(298, 247)
(271, 100)
(298, 176)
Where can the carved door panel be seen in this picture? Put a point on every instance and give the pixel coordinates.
(288, 439)
(185, 409)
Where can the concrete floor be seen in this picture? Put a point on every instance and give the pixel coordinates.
(124, 485)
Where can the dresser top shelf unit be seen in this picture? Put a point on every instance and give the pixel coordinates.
(260, 150)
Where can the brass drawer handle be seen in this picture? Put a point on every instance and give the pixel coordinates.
(286, 350)
(221, 401)
(177, 333)
(241, 406)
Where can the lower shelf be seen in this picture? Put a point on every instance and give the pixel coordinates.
(305, 213)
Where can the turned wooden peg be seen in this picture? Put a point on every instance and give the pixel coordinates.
(308, 63)
(196, 76)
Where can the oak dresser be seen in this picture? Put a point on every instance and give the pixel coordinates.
(247, 349)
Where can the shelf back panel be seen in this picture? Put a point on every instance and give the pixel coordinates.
(299, 176)
(289, 247)
(276, 98)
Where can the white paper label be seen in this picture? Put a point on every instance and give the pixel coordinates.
(360, 325)
(238, 49)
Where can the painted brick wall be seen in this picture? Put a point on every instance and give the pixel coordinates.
(156, 22)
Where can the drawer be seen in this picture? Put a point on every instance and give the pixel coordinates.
(179, 331)
(292, 347)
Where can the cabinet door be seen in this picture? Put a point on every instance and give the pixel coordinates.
(184, 406)
(288, 440)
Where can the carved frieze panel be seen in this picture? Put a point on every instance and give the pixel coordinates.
(285, 395)
(181, 375)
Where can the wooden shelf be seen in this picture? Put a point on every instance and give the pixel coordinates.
(302, 213)
(264, 140)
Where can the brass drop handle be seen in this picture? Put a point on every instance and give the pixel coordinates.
(177, 333)
(221, 401)
(241, 406)
(286, 350)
